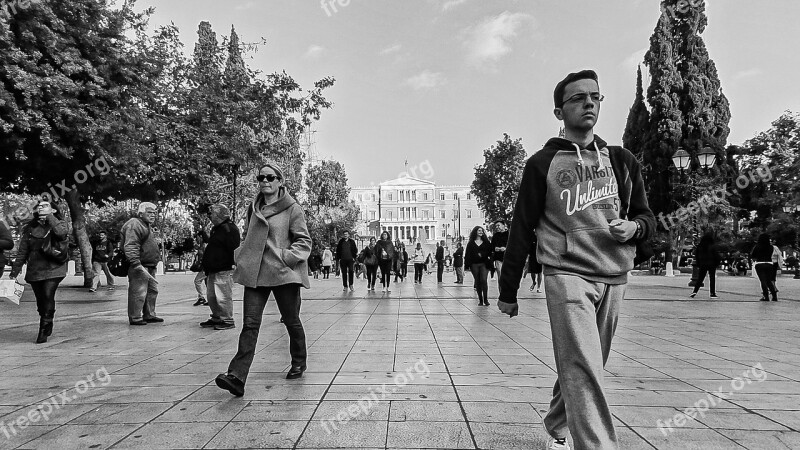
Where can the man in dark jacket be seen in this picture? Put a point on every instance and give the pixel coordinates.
(218, 265)
(6, 243)
(439, 261)
(587, 203)
(102, 251)
(347, 251)
(458, 263)
(499, 242)
(141, 250)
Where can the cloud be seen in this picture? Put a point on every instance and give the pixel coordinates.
(755, 71)
(249, 5)
(426, 80)
(490, 40)
(449, 4)
(634, 59)
(393, 49)
(313, 51)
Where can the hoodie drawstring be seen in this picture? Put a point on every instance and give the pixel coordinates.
(596, 148)
(578, 152)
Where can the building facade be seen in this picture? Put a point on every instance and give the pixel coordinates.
(415, 210)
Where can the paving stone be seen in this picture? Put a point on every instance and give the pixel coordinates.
(257, 435)
(408, 435)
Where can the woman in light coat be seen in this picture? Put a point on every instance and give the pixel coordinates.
(419, 263)
(273, 258)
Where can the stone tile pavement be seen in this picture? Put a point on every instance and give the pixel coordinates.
(422, 367)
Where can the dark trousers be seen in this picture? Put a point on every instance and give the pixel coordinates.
(372, 275)
(764, 272)
(712, 279)
(386, 272)
(403, 270)
(418, 269)
(348, 270)
(255, 299)
(439, 270)
(480, 273)
(326, 271)
(45, 292)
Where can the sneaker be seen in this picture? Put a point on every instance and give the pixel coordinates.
(692, 295)
(200, 301)
(295, 372)
(538, 291)
(210, 323)
(92, 290)
(137, 322)
(224, 326)
(344, 289)
(230, 383)
(153, 319)
(111, 288)
(531, 289)
(713, 296)
(557, 444)
(351, 289)
(388, 291)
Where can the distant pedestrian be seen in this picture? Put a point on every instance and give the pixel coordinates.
(218, 263)
(385, 251)
(458, 263)
(741, 266)
(315, 261)
(762, 264)
(499, 242)
(45, 272)
(102, 251)
(419, 263)
(777, 263)
(6, 243)
(347, 251)
(428, 263)
(370, 261)
(439, 261)
(708, 259)
(273, 259)
(534, 268)
(201, 237)
(142, 252)
(397, 261)
(478, 259)
(403, 262)
(327, 262)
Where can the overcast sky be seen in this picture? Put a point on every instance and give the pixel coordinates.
(441, 80)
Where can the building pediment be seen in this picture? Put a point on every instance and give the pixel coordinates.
(408, 181)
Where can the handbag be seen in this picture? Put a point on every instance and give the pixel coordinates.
(196, 266)
(11, 291)
(57, 250)
(119, 265)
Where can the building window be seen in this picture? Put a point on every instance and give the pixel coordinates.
(402, 196)
(441, 196)
(372, 215)
(455, 196)
(442, 214)
(415, 213)
(389, 195)
(424, 196)
(425, 213)
(469, 196)
(389, 214)
(414, 195)
(444, 233)
(469, 213)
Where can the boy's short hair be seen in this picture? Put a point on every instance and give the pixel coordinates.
(558, 93)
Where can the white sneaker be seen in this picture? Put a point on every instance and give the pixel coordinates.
(352, 289)
(553, 444)
(538, 291)
(344, 289)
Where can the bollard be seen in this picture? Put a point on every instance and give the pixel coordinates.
(70, 268)
(669, 273)
(160, 268)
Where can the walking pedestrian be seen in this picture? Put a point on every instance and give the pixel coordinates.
(708, 259)
(273, 259)
(762, 264)
(218, 263)
(200, 284)
(141, 250)
(370, 261)
(45, 270)
(385, 251)
(499, 242)
(347, 251)
(588, 205)
(397, 258)
(534, 268)
(327, 262)
(458, 263)
(439, 261)
(315, 261)
(102, 251)
(478, 259)
(6, 243)
(419, 263)
(428, 263)
(403, 262)
(777, 263)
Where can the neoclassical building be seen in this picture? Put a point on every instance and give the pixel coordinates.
(412, 209)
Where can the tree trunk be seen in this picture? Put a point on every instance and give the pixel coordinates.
(76, 211)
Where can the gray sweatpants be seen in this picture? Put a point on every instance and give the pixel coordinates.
(583, 318)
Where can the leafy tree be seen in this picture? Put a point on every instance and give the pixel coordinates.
(327, 185)
(497, 180)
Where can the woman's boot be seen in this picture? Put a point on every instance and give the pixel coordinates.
(48, 323)
(42, 337)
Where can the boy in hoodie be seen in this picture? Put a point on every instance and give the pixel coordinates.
(587, 205)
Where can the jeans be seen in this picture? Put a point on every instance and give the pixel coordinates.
(386, 274)
(200, 284)
(347, 272)
(712, 279)
(498, 266)
(220, 296)
(480, 273)
(255, 299)
(459, 274)
(403, 270)
(45, 292)
(418, 269)
(372, 275)
(439, 270)
(142, 293)
(326, 272)
(98, 266)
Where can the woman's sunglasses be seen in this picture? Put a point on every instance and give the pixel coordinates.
(269, 178)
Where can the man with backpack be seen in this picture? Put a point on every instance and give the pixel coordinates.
(141, 251)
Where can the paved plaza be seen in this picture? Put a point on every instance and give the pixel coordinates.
(422, 367)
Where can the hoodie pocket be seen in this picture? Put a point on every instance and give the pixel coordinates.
(595, 251)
